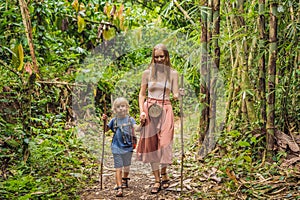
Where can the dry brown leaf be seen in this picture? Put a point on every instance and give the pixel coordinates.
(231, 175)
(285, 140)
(215, 178)
(187, 180)
(290, 161)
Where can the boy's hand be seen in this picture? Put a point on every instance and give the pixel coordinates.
(104, 117)
(138, 128)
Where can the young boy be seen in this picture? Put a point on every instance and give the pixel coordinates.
(123, 141)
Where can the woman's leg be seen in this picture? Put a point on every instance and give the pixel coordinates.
(164, 176)
(155, 171)
(163, 169)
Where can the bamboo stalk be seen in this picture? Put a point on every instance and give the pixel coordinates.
(212, 66)
(262, 64)
(234, 64)
(184, 12)
(271, 79)
(181, 134)
(28, 31)
(204, 93)
(62, 83)
(102, 155)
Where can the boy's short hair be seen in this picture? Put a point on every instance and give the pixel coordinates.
(118, 101)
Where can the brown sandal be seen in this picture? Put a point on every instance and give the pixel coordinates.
(125, 182)
(155, 189)
(165, 183)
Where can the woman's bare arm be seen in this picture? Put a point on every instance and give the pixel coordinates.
(142, 94)
(175, 90)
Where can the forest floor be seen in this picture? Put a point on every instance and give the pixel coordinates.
(141, 178)
(201, 180)
(139, 185)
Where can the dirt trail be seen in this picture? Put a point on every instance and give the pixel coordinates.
(139, 185)
(141, 177)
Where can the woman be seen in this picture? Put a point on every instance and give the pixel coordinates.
(155, 145)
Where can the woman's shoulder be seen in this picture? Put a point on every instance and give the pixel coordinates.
(174, 72)
(146, 74)
(146, 71)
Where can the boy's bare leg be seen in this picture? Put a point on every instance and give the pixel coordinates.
(119, 177)
(119, 182)
(125, 176)
(126, 171)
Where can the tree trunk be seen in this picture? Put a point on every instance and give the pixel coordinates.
(204, 91)
(26, 107)
(247, 103)
(240, 109)
(234, 63)
(271, 79)
(262, 65)
(213, 67)
(28, 31)
(214, 73)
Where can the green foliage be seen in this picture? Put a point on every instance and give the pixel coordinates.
(241, 150)
(58, 167)
(42, 159)
(48, 161)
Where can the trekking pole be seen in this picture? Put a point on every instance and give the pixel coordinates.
(102, 155)
(181, 133)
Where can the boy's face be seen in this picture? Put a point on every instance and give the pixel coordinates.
(121, 110)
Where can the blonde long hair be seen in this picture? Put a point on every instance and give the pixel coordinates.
(166, 63)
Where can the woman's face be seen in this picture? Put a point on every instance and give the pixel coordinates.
(159, 56)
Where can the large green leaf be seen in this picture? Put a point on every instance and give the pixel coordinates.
(109, 34)
(21, 57)
(18, 57)
(80, 23)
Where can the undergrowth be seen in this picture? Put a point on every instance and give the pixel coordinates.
(237, 169)
(58, 166)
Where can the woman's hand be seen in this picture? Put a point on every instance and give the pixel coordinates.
(178, 95)
(181, 92)
(143, 116)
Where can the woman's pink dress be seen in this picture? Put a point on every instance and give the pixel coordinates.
(155, 144)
